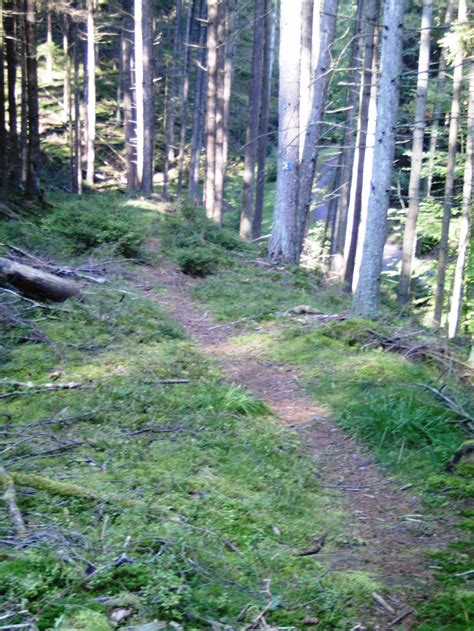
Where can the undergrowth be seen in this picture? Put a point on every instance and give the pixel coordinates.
(205, 499)
(377, 396)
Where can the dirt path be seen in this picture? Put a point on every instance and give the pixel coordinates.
(387, 534)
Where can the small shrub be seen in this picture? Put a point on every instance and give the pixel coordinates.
(198, 261)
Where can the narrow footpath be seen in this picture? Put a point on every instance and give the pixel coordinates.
(388, 533)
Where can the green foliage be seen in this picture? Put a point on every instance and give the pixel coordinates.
(78, 225)
(214, 496)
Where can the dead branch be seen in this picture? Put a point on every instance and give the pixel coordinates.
(318, 546)
(35, 283)
(9, 497)
(450, 403)
(31, 388)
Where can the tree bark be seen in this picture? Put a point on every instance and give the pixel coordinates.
(33, 144)
(219, 145)
(322, 74)
(185, 94)
(438, 106)
(251, 138)
(284, 238)
(198, 107)
(10, 49)
(90, 105)
(409, 235)
(144, 95)
(126, 65)
(77, 115)
(350, 135)
(465, 228)
(35, 283)
(49, 44)
(269, 36)
(369, 88)
(3, 129)
(211, 107)
(450, 173)
(366, 298)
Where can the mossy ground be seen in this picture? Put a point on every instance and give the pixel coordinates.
(227, 497)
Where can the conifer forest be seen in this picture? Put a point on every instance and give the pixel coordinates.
(236, 315)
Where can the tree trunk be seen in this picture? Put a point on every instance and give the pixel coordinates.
(450, 173)
(211, 107)
(456, 300)
(144, 95)
(438, 106)
(35, 283)
(228, 73)
(23, 156)
(185, 93)
(198, 107)
(126, 65)
(173, 77)
(148, 105)
(220, 77)
(3, 129)
(409, 235)
(77, 116)
(366, 298)
(322, 74)
(350, 135)
(369, 87)
(33, 144)
(48, 75)
(91, 95)
(284, 237)
(269, 37)
(10, 49)
(306, 63)
(251, 139)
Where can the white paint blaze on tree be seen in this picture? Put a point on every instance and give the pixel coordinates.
(366, 298)
(409, 235)
(455, 312)
(284, 242)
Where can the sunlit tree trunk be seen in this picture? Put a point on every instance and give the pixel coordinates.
(33, 143)
(322, 74)
(49, 44)
(306, 61)
(251, 139)
(211, 107)
(464, 232)
(144, 95)
(126, 65)
(409, 235)
(198, 107)
(366, 298)
(220, 131)
(450, 172)
(185, 92)
(67, 78)
(438, 106)
(173, 78)
(269, 36)
(368, 96)
(350, 136)
(90, 105)
(284, 237)
(77, 115)
(229, 52)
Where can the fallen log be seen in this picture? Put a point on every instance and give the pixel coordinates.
(35, 283)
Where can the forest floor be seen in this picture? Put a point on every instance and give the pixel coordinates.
(388, 533)
(225, 460)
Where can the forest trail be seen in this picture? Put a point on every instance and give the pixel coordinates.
(387, 533)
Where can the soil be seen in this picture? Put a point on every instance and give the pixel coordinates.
(388, 532)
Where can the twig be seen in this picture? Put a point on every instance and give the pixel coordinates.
(382, 602)
(319, 544)
(401, 617)
(450, 403)
(9, 497)
(31, 388)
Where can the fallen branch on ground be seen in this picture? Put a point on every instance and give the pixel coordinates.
(9, 497)
(32, 388)
(450, 403)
